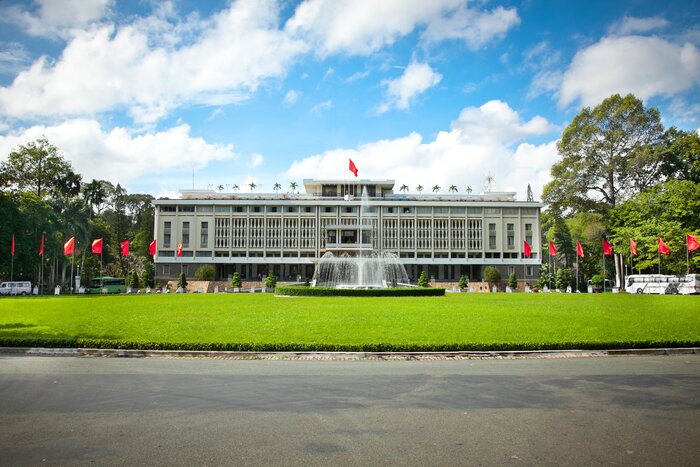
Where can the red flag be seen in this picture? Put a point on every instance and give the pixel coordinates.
(97, 246)
(41, 246)
(663, 248)
(607, 248)
(353, 167)
(552, 249)
(152, 248)
(579, 249)
(179, 249)
(633, 247)
(12, 250)
(125, 247)
(528, 250)
(692, 242)
(69, 246)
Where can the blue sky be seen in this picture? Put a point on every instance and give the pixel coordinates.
(440, 92)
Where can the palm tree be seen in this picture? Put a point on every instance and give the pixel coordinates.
(404, 188)
(293, 186)
(252, 186)
(277, 187)
(469, 190)
(436, 188)
(235, 187)
(220, 188)
(419, 188)
(453, 189)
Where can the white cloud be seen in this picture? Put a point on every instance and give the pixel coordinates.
(140, 67)
(644, 66)
(480, 142)
(360, 28)
(256, 160)
(54, 18)
(634, 25)
(120, 155)
(325, 105)
(291, 97)
(13, 58)
(416, 79)
(475, 27)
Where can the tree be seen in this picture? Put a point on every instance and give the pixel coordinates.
(182, 282)
(512, 281)
(605, 156)
(680, 155)
(469, 190)
(564, 278)
(236, 280)
(492, 275)
(436, 188)
(96, 193)
(40, 167)
(403, 189)
(270, 280)
(668, 210)
(423, 280)
(277, 187)
(235, 187)
(453, 189)
(148, 278)
(463, 282)
(293, 186)
(205, 273)
(134, 280)
(252, 186)
(419, 188)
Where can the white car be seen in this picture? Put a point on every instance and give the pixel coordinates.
(16, 288)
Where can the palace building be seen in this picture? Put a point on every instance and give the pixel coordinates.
(446, 235)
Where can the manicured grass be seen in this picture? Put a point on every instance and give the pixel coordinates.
(265, 322)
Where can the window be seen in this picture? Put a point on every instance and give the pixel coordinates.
(389, 210)
(222, 209)
(529, 270)
(239, 209)
(272, 209)
(184, 268)
(441, 210)
(349, 209)
(528, 234)
(291, 209)
(328, 209)
(204, 235)
(256, 209)
(474, 211)
(308, 209)
(407, 210)
(492, 211)
(510, 236)
(185, 208)
(166, 269)
(166, 234)
(205, 209)
(167, 209)
(492, 236)
(185, 234)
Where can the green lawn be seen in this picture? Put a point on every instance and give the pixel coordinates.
(265, 322)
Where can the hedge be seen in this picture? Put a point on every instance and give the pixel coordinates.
(303, 291)
(328, 347)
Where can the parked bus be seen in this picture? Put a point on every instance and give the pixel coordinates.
(663, 284)
(107, 285)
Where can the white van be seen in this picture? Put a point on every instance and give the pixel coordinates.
(663, 284)
(16, 288)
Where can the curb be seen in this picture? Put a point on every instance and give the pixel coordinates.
(322, 356)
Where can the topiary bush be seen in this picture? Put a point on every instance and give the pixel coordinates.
(270, 280)
(513, 281)
(463, 282)
(236, 281)
(492, 275)
(423, 280)
(182, 282)
(204, 273)
(134, 280)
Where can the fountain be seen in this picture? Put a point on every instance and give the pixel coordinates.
(364, 269)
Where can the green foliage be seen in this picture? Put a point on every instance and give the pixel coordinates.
(513, 281)
(492, 275)
(423, 280)
(148, 278)
(301, 291)
(564, 279)
(182, 282)
(270, 280)
(463, 282)
(680, 155)
(236, 280)
(668, 210)
(204, 273)
(604, 161)
(546, 279)
(133, 280)
(597, 280)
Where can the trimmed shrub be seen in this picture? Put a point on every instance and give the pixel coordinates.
(463, 282)
(270, 280)
(182, 282)
(563, 279)
(513, 281)
(134, 280)
(492, 275)
(236, 280)
(301, 291)
(148, 274)
(597, 279)
(204, 273)
(423, 280)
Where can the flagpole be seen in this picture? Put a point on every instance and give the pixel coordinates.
(658, 252)
(687, 257)
(604, 275)
(72, 264)
(577, 271)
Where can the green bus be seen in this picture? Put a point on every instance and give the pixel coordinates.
(107, 285)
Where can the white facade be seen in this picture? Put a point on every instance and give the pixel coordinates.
(446, 235)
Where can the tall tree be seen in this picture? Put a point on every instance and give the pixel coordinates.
(605, 156)
(680, 154)
(39, 167)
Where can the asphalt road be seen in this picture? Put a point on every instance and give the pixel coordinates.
(575, 411)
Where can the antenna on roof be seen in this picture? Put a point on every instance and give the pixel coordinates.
(488, 184)
(530, 196)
